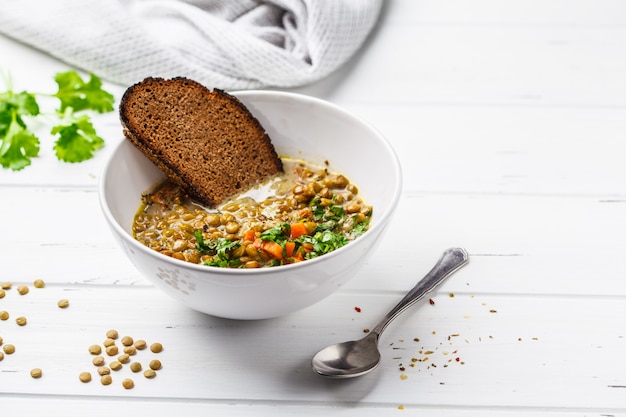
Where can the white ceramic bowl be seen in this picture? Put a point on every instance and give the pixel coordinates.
(299, 126)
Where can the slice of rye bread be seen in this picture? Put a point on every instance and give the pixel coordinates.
(205, 141)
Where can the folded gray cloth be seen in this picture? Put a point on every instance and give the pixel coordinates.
(227, 44)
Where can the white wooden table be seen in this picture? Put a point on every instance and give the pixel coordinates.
(509, 118)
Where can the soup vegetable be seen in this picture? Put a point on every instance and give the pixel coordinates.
(309, 213)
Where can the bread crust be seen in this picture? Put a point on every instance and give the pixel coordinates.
(205, 140)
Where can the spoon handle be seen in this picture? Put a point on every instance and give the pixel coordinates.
(451, 260)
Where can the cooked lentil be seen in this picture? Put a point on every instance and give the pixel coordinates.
(312, 212)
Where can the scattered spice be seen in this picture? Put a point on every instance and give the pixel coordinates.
(357, 309)
(431, 301)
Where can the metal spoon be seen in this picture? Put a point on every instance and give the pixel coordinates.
(358, 357)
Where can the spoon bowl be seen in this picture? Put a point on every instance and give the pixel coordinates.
(358, 357)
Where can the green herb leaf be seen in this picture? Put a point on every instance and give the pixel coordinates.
(77, 140)
(80, 95)
(17, 144)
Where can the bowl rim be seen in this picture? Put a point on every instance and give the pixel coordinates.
(381, 223)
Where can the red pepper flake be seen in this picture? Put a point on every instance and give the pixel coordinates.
(431, 301)
(458, 359)
(357, 309)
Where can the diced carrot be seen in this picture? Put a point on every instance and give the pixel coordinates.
(298, 229)
(273, 248)
(249, 235)
(289, 248)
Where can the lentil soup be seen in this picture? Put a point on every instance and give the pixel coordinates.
(310, 212)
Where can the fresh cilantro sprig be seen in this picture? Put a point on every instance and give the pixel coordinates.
(70, 122)
(220, 250)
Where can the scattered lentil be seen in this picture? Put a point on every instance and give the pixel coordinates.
(2, 293)
(63, 303)
(85, 376)
(112, 334)
(123, 358)
(108, 342)
(98, 361)
(127, 341)
(128, 383)
(135, 366)
(21, 321)
(115, 365)
(156, 347)
(149, 373)
(106, 379)
(4, 315)
(36, 373)
(6, 285)
(104, 370)
(95, 349)
(39, 283)
(22, 289)
(155, 364)
(8, 349)
(140, 344)
(112, 350)
(1, 356)
(130, 350)
(1, 340)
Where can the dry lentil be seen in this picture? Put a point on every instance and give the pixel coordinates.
(4, 315)
(108, 342)
(112, 334)
(155, 364)
(84, 376)
(140, 344)
(63, 303)
(115, 365)
(135, 366)
(38, 283)
(1, 355)
(36, 373)
(123, 358)
(112, 350)
(149, 373)
(8, 349)
(156, 347)
(98, 361)
(22, 289)
(6, 285)
(21, 321)
(95, 349)
(104, 370)
(128, 383)
(127, 340)
(130, 350)
(106, 380)
(2, 293)
(1, 340)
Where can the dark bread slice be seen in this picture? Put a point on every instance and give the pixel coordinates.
(205, 141)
